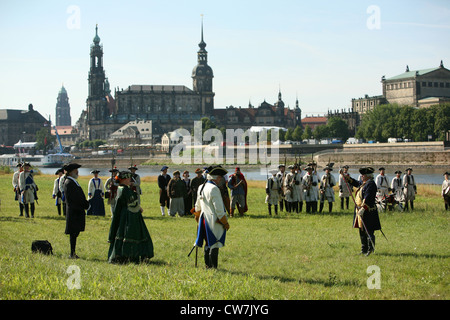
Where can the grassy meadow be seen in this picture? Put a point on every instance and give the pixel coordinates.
(289, 256)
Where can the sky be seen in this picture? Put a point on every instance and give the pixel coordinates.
(322, 52)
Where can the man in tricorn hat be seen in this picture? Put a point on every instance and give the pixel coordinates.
(211, 217)
(176, 190)
(163, 181)
(196, 183)
(28, 189)
(15, 183)
(238, 187)
(111, 186)
(409, 189)
(57, 194)
(397, 189)
(366, 217)
(135, 181)
(76, 207)
(310, 187)
(383, 186)
(344, 191)
(327, 182)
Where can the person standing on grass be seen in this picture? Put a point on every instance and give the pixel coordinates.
(344, 192)
(211, 217)
(327, 182)
(446, 190)
(196, 183)
(188, 194)
(176, 190)
(238, 187)
(128, 236)
(273, 188)
(57, 195)
(96, 193)
(15, 183)
(163, 181)
(28, 189)
(409, 189)
(135, 181)
(76, 207)
(366, 217)
(111, 189)
(396, 188)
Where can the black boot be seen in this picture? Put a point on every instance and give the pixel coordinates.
(371, 244)
(296, 206)
(270, 209)
(207, 258)
(342, 203)
(308, 207)
(27, 210)
(330, 206)
(58, 206)
(276, 209)
(314, 206)
(21, 209)
(281, 205)
(347, 200)
(412, 205)
(301, 206)
(214, 257)
(32, 209)
(363, 238)
(321, 207)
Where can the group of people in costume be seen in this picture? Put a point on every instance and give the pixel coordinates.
(179, 194)
(206, 197)
(290, 189)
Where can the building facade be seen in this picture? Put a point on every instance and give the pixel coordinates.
(21, 125)
(416, 88)
(63, 109)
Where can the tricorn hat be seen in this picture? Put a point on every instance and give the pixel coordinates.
(446, 173)
(164, 168)
(95, 171)
(132, 167)
(59, 170)
(72, 166)
(124, 175)
(366, 170)
(216, 170)
(382, 168)
(114, 170)
(198, 170)
(398, 171)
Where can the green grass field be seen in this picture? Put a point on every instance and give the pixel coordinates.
(290, 256)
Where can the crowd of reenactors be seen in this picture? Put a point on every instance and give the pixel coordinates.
(214, 193)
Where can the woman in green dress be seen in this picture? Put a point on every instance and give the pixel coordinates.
(129, 238)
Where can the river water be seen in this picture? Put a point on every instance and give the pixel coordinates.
(421, 175)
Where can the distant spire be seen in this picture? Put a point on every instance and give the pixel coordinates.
(407, 68)
(96, 38)
(442, 64)
(202, 43)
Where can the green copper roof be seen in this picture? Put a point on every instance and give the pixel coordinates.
(411, 74)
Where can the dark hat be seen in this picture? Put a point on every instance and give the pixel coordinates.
(59, 170)
(164, 168)
(72, 166)
(409, 169)
(309, 167)
(345, 167)
(124, 175)
(26, 164)
(366, 170)
(328, 168)
(382, 168)
(95, 171)
(398, 171)
(330, 165)
(198, 170)
(216, 170)
(19, 164)
(133, 167)
(446, 172)
(291, 166)
(176, 172)
(281, 166)
(114, 170)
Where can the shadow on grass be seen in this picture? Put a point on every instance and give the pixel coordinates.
(414, 255)
(331, 281)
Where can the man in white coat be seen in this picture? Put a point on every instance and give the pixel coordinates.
(327, 182)
(382, 186)
(409, 189)
(311, 190)
(28, 189)
(211, 216)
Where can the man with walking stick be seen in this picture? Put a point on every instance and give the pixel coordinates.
(366, 217)
(211, 217)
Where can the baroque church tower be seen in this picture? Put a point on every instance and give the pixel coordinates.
(97, 107)
(202, 76)
(63, 109)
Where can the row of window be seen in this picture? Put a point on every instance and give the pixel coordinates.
(424, 84)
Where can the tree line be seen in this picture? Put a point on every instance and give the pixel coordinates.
(394, 121)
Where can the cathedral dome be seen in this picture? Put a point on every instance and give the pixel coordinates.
(202, 70)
